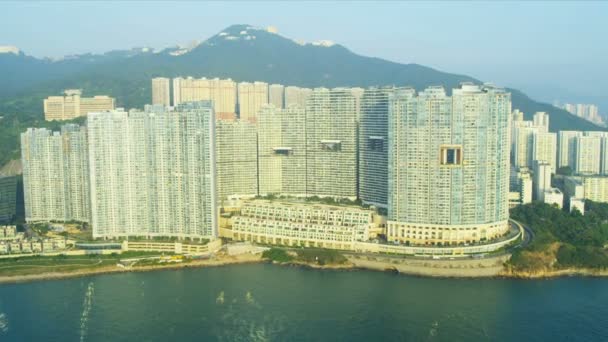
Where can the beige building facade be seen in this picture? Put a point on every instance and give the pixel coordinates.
(222, 92)
(161, 91)
(73, 105)
(252, 96)
(302, 224)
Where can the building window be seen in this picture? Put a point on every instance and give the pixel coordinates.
(375, 143)
(451, 155)
(331, 145)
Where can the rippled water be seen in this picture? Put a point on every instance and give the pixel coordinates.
(271, 303)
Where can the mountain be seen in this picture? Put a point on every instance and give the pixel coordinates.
(240, 52)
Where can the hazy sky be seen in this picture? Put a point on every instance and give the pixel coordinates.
(553, 50)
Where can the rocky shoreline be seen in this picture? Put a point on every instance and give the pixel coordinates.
(549, 274)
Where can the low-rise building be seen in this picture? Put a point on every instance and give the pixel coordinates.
(578, 204)
(416, 234)
(26, 247)
(514, 199)
(302, 224)
(59, 243)
(47, 245)
(573, 187)
(525, 188)
(15, 247)
(553, 196)
(8, 232)
(36, 246)
(172, 247)
(3, 248)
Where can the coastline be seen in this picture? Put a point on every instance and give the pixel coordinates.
(550, 274)
(222, 261)
(421, 268)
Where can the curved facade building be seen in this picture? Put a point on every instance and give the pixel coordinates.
(448, 165)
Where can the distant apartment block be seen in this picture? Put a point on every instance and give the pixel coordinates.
(541, 120)
(221, 92)
(373, 144)
(55, 174)
(588, 154)
(588, 112)
(251, 98)
(531, 141)
(596, 188)
(567, 148)
(331, 143)
(72, 105)
(523, 144)
(161, 91)
(296, 96)
(276, 95)
(236, 161)
(542, 179)
(282, 150)
(544, 148)
(153, 174)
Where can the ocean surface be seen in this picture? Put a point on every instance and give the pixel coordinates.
(263, 302)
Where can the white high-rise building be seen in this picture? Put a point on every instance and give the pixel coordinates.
(276, 95)
(282, 150)
(523, 144)
(544, 148)
(541, 120)
(449, 165)
(603, 136)
(161, 91)
(517, 116)
(221, 92)
(542, 179)
(55, 174)
(373, 144)
(76, 174)
(296, 96)
(566, 152)
(237, 169)
(526, 189)
(331, 143)
(251, 98)
(596, 188)
(153, 174)
(588, 155)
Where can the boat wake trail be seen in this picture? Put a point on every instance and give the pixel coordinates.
(3, 323)
(86, 309)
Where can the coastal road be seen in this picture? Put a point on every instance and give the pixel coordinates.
(528, 234)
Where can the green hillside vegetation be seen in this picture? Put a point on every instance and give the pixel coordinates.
(270, 58)
(562, 239)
